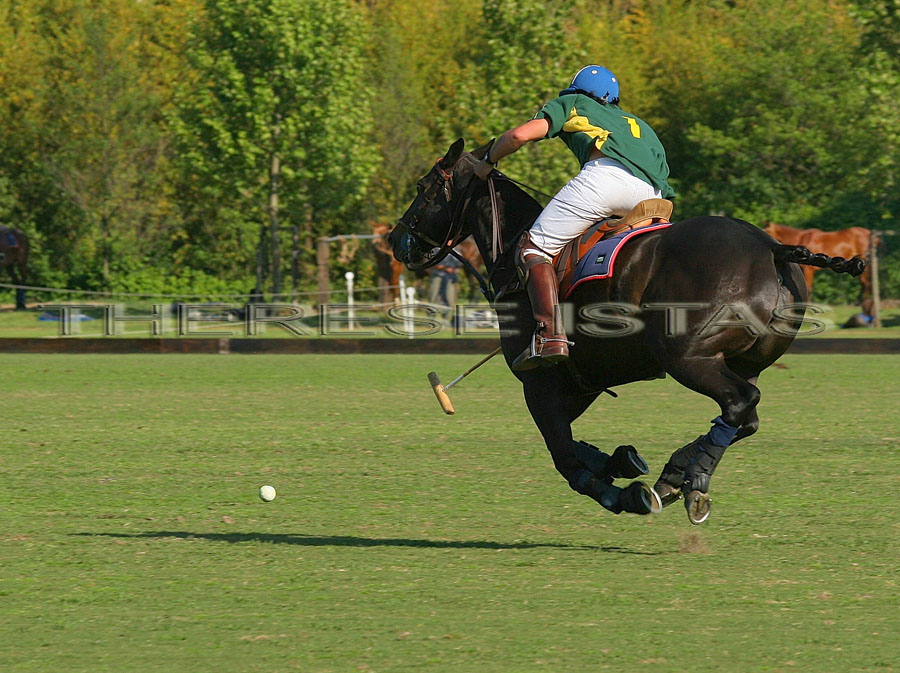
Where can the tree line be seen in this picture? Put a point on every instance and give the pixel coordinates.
(204, 145)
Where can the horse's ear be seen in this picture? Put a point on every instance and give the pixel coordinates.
(453, 154)
(483, 149)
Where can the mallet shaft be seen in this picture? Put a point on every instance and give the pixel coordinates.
(440, 390)
(473, 368)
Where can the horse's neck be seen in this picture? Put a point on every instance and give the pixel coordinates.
(517, 211)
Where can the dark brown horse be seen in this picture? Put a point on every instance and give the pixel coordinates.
(709, 301)
(14, 258)
(846, 243)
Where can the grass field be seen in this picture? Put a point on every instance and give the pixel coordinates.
(132, 539)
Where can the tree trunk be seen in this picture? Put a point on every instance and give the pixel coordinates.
(295, 262)
(274, 225)
(105, 233)
(260, 263)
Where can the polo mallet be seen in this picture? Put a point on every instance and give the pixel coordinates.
(440, 390)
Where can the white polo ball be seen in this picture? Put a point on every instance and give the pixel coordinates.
(266, 493)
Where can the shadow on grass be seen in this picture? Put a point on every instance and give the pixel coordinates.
(352, 541)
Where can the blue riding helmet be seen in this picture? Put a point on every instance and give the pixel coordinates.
(597, 81)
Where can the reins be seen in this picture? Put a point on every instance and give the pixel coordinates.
(502, 176)
(457, 220)
(456, 223)
(496, 240)
(497, 249)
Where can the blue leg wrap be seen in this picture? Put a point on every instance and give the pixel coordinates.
(712, 445)
(721, 433)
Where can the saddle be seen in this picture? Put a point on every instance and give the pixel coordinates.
(646, 216)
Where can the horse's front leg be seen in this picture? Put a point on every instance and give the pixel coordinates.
(586, 469)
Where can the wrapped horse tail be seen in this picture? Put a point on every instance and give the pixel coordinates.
(800, 255)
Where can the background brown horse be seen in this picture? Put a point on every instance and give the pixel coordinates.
(389, 269)
(846, 243)
(14, 258)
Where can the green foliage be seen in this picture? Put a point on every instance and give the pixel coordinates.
(764, 122)
(522, 62)
(188, 139)
(155, 281)
(105, 152)
(275, 129)
(87, 147)
(880, 20)
(879, 69)
(7, 202)
(417, 79)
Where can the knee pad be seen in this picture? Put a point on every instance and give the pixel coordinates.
(528, 256)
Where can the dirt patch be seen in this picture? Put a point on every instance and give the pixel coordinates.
(693, 543)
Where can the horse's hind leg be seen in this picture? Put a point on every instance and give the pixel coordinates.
(750, 424)
(690, 468)
(587, 470)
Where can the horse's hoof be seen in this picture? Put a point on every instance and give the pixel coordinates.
(627, 463)
(656, 504)
(697, 504)
(638, 498)
(667, 493)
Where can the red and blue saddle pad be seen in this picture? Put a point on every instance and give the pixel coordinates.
(600, 260)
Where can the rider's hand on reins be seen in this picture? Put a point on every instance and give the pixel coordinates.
(483, 168)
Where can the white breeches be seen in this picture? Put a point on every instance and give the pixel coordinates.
(602, 188)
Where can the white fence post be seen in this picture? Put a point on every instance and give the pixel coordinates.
(351, 315)
(409, 310)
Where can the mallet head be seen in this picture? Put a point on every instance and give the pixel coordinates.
(441, 395)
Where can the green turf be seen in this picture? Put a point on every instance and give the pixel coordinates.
(132, 539)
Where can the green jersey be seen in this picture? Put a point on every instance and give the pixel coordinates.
(583, 124)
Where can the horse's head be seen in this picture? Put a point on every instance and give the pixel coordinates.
(434, 221)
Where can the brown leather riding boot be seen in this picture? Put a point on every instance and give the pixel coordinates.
(549, 344)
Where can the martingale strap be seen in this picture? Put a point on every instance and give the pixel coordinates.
(496, 233)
